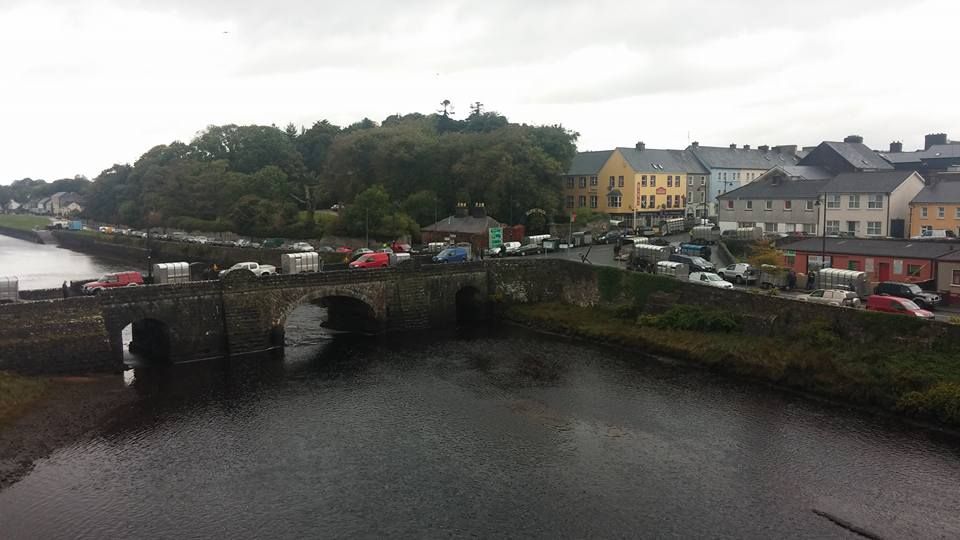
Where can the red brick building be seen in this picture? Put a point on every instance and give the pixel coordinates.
(909, 261)
(471, 225)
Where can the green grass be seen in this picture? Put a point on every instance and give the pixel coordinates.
(17, 393)
(887, 373)
(23, 222)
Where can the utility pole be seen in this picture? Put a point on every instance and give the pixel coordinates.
(823, 244)
(366, 225)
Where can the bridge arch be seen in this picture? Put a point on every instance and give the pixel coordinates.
(151, 339)
(471, 305)
(347, 309)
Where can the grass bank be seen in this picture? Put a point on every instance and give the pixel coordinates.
(17, 393)
(23, 222)
(894, 376)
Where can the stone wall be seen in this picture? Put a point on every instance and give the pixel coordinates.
(29, 236)
(65, 336)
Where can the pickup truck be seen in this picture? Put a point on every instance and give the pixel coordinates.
(257, 269)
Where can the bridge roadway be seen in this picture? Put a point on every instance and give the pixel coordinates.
(243, 314)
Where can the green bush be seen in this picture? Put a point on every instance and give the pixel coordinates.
(818, 333)
(693, 318)
(941, 401)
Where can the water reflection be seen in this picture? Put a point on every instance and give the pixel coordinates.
(40, 266)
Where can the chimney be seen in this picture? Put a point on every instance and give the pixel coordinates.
(934, 138)
(641, 146)
(462, 210)
(478, 211)
(853, 139)
(764, 148)
(787, 149)
(746, 147)
(695, 144)
(733, 146)
(896, 147)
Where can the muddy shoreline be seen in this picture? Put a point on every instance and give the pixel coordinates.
(74, 408)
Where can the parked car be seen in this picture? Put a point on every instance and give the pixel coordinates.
(452, 255)
(380, 259)
(694, 263)
(832, 297)
(301, 246)
(710, 279)
(739, 273)
(610, 237)
(910, 291)
(110, 281)
(257, 268)
(897, 305)
(529, 249)
(344, 250)
(326, 249)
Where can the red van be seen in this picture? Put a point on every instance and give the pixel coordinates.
(894, 304)
(372, 260)
(109, 281)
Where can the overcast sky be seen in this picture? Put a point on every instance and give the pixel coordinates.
(87, 84)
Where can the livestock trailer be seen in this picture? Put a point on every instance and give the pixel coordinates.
(175, 272)
(704, 234)
(676, 270)
(9, 292)
(849, 280)
(298, 263)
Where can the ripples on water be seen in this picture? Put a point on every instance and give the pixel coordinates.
(501, 433)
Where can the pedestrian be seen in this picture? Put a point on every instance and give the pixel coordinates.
(481, 255)
(616, 251)
(791, 279)
(66, 289)
(811, 278)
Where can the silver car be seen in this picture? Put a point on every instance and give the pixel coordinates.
(832, 297)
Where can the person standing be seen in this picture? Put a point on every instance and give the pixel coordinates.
(66, 289)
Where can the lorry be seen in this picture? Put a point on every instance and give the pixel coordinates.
(299, 263)
(175, 272)
(255, 267)
(76, 225)
(644, 257)
(9, 290)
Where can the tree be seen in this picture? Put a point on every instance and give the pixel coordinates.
(423, 207)
(367, 212)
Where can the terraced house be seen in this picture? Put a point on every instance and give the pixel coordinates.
(936, 207)
(639, 185)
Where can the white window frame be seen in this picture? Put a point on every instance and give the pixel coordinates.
(874, 231)
(788, 206)
(833, 202)
(941, 212)
(832, 226)
(748, 206)
(853, 202)
(923, 212)
(768, 205)
(875, 202)
(808, 207)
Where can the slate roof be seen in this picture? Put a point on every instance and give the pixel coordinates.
(945, 191)
(692, 164)
(588, 163)
(867, 182)
(719, 157)
(806, 172)
(653, 160)
(764, 188)
(858, 155)
(937, 151)
(466, 225)
(919, 249)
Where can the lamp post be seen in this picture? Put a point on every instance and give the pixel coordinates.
(366, 225)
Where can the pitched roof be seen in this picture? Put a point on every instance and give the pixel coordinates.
(651, 159)
(692, 164)
(588, 163)
(858, 155)
(467, 225)
(806, 172)
(920, 249)
(867, 182)
(937, 151)
(945, 191)
(777, 185)
(718, 157)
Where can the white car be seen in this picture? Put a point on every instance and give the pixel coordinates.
(832, 297)
(256, 268)
(711, 279)
(301, 246)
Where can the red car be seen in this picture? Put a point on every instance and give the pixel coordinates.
(372, 260)
(344, 249)
(894, 304)
(109, 281)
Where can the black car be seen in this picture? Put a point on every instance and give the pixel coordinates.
(610, 237)
(529, 249)
(694, 264)
(910, 291)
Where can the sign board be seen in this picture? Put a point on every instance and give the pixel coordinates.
(789, 253)
(495, 237)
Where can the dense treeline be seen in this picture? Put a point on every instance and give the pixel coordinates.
(395, 176)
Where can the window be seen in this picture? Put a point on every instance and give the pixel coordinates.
(768, 205)
(730, 204)
(810, 228)
(653, 201)
(614, 201)
(620, 181)
(956, 278)
(702, 194)
(689, 195)
(653, 180)
(593, 181)
(703, 180)
(808, 206)
(956, 212)
(914, 270)
(643, 180)
(940, 212)
(923, 212)
(926, 229)
(593, 201)
(791, 227)
(749, 205)
(875, 201)
(854, 202)
(581, 201)
(833, 201)
(570, 182)
(613, 182)
(853, 227)
(643, 201)
(787, 206)
(669, 181)
(583, 181)
(690, 180)
(853, 265)
(747, 224)
(833, 227)
(873, 228)
(769, 227)
(669, 201)
(569, 202)
(676, 201)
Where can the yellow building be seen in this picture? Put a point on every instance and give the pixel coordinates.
(647, 184)
(936, 207)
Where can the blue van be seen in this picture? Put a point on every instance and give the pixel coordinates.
(695, 250)
(452, 255)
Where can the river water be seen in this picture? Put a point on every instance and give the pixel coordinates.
(482, 432)
(40, 266)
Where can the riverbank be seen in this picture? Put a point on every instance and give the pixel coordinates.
(896, 377)
(51, 413)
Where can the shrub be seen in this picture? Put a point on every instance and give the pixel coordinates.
(941, 401)
(818, 333)
(692, 318)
